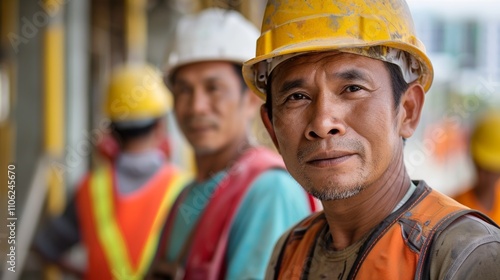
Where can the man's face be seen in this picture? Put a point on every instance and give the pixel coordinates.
(334, 122)
(210, 107)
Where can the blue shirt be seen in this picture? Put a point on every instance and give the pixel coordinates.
(274, 202)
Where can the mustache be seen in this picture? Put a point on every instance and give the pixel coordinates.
(201, 121)
(337, 144)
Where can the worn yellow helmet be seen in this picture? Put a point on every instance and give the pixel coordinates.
(136, 94)
(485, 142)
(370, 28)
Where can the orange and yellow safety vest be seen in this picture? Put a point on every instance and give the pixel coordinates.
(121, 232)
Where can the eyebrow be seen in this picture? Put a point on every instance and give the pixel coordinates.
(352, 75)
(289, 85)
(210, 79)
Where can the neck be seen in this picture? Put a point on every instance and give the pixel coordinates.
(351, 219)
(137, 147)
(209, 164)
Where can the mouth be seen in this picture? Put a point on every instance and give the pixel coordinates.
(200, 129)
(330, 159)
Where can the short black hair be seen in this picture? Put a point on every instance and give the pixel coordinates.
(398, 84)
(126, 134)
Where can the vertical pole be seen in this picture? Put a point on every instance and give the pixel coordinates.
(78, 62)
(136, 30)
(54, 113)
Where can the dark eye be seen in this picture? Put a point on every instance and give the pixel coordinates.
(296, 96)
(353, 88)
(212, 88)
(180, 90)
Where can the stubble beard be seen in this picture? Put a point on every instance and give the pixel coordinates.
(332, 190)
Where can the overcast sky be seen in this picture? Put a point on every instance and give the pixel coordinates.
(468, 8)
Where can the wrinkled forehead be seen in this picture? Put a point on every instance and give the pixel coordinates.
(205, 70)
(305, 64)
(410, 67)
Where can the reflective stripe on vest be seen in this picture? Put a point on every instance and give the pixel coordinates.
(108, 231)
(397, 249)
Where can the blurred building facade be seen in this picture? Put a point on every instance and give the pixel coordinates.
(463, 40)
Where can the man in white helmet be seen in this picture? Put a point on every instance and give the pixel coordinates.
(344, 83)
(225, 223)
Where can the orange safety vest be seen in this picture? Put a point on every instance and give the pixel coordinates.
(397, 249)
(207, 250)
(121, 232)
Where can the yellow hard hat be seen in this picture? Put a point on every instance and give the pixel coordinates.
(136, 94)
(368, 28)
(485, 142)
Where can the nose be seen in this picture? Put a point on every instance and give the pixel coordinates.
(326, 121)
(199, 102)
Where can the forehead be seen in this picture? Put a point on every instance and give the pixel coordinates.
(205, 71)
(302, 66)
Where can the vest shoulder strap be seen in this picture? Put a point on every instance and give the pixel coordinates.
(437, 224)
(206, 258)
(299, 246)
(426, 214)
(209, 238)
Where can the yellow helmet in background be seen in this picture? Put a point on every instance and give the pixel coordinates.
(369, 28)
(485, 142)
(136, 95)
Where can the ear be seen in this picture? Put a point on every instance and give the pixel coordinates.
(410, 110)
(268, 125)
(160, 130)
(253, 103)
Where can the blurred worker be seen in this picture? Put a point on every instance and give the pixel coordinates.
(485, 150)
(227, 220)
(344, 84)
(119, 208)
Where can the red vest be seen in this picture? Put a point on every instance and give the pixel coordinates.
(398, 248)
(120, 232)
(206, 258)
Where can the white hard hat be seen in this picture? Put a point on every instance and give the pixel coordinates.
(212, 35)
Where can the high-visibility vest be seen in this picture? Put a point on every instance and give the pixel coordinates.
(387, 253)
(120, 232)
(207, 251)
